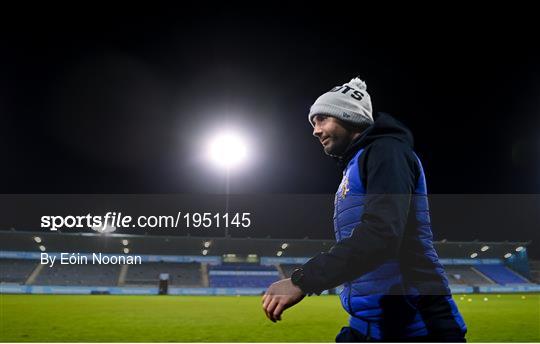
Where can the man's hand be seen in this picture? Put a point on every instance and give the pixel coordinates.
(280, 296)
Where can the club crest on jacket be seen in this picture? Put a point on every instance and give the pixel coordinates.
(344, 187)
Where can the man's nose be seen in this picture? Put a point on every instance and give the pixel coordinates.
(317, 131)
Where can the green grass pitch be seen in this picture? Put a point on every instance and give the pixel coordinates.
(88, 318)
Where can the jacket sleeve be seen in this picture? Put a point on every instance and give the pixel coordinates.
(388, 170)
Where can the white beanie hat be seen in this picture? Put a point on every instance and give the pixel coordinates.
(350, 103)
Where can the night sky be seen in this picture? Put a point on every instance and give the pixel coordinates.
(122, 100)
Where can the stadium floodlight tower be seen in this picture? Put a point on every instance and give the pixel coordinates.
(228, 151)
(104, 229)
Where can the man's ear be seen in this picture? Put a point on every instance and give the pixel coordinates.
(351, 127)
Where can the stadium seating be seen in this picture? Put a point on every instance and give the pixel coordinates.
(82, 274)
(501, 274)
(242, 275)
(180, 274)
(228, 275)
(535, 270)
(465, 275)
(16, 270)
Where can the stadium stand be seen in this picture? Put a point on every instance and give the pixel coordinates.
(465, 275)
(230, 266)
(16, 270)
(73, 275)
(239, 275)
(181, 274)
(501, 274)
(534, 266)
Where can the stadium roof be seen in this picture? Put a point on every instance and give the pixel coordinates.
(175, 245)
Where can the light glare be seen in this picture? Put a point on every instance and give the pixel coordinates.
(227, 150)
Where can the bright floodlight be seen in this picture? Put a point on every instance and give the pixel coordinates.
(104, 229)
(227, 150)
(474, 255)
(519, 249)
(508, 255)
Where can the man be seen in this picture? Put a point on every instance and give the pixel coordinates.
(395, 289)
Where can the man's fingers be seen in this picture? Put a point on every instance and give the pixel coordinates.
(278, 311)
(265, 305)
(270, 309)
(266, 300)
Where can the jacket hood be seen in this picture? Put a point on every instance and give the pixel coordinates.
(383, 126)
